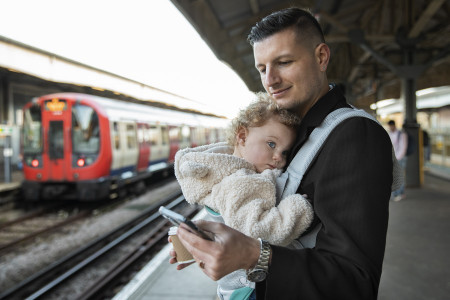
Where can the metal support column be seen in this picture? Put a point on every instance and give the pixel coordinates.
(3, 101)
(410, 73)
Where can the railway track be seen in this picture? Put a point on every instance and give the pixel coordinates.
(52, 217)
(108, 257)
(36, 223)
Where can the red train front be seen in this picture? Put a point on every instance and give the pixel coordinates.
(81, 145)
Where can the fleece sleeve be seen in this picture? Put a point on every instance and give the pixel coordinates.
(247, 202)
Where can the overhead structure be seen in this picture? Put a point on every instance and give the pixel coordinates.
(375, 44)
(379, 48)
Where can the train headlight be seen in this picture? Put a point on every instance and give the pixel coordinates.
(35, 163)
(81, 162)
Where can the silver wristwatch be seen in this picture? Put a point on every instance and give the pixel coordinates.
(259, 272)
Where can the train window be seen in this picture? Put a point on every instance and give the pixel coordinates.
(153, 135)
(186, 134)
(174, 134)
(116, 135)
(131, 136)
(85, 130)
(140, 134)
(213, 136)
(56, 140)
(32, 130)
(146, 131)
(164, 135)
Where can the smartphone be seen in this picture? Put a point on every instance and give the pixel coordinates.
(177, 219)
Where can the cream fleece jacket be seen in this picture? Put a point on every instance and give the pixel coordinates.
(210, 175)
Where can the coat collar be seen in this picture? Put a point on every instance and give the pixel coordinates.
(331, 101)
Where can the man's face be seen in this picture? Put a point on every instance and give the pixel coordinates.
(392, 127)
(290, 71)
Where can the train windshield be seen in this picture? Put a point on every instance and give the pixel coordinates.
(85, 130)
(32, 130)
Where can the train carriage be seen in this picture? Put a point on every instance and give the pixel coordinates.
(84, 145)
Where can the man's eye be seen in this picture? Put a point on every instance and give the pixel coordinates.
(285, 62)
(271, 145)
(262, 71)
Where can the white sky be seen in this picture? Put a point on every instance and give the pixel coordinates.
(146, 40)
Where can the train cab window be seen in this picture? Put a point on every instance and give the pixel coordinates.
(153, 135)
(164, 135)
(85, 130)
(56, 140)
(131, 136)
(32, 130)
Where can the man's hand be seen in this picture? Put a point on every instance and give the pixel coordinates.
(230, 250)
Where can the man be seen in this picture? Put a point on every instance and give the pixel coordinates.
(348, 184)
(399, 140)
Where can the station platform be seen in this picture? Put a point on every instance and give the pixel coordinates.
(415, 266)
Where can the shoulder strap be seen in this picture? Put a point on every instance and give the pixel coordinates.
(289, 181)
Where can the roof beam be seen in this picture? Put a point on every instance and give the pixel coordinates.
(254, 6)
(425, 17)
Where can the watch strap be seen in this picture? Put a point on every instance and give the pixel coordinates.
(263, 261)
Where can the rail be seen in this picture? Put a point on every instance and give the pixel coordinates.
(41, 283)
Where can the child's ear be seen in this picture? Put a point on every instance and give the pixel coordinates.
(241, 136)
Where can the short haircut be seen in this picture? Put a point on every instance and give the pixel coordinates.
(257, 113)
(303, 21)
(391, 122)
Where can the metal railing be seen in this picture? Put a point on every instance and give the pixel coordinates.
(440, 147)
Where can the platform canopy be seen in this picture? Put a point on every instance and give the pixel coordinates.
(374, 43)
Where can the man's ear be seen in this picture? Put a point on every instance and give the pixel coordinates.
(241, 136)
(323, 55)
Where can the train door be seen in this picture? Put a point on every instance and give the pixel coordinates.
(144, 148)
(174, 141)
(117, 152)
(56, 121)
(130, 146)
(159, 147)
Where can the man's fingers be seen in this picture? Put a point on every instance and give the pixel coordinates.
(182, 266)
(209, 226)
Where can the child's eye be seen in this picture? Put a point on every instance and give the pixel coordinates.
(271, 144)
(285, 153)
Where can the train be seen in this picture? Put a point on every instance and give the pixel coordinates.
(87, 146)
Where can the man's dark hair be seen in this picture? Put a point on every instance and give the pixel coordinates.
(303, 21)
(391, 122)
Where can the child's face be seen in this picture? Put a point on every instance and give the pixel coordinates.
(267, 146)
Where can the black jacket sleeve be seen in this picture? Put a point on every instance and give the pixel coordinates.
(349, 185)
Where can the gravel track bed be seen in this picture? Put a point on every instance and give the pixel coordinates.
(15, 267)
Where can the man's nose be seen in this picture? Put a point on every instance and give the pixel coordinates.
(271, 78)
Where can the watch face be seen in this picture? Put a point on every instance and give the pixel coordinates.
(257, 276)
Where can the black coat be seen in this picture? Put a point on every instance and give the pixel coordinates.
(349, 186)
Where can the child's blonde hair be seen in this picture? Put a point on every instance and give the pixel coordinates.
(257, 113)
